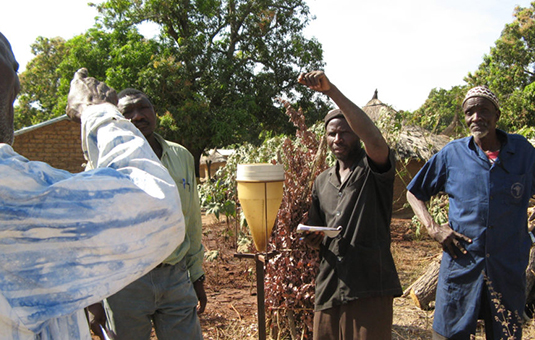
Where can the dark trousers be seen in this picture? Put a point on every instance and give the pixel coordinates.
(361, 319)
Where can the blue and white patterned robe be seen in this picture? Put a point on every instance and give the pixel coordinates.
(69, 240)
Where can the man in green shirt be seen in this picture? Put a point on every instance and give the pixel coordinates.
(170, 296)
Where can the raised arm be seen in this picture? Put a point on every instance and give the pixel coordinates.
(68, 241)
(86, 91)
(374, 143)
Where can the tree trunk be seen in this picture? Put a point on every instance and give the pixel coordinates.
(424, 289)
(196, 153)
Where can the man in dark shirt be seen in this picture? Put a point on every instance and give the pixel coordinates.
(357, 278)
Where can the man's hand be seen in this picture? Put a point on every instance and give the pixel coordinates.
(313, 239)
(449, 239)
(316, 80)
(201, 295)
(86, 91)
(96, 316)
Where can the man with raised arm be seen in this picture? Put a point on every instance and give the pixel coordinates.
(357, 278)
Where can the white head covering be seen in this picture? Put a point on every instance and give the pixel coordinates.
(483, 92)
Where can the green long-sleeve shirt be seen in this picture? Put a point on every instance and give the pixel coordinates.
(180, 164)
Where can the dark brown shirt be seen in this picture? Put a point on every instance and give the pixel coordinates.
(358, 262)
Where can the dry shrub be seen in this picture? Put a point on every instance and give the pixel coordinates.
(290, 274)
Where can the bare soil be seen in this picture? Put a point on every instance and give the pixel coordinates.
(231, 287)
(231, 312)
(230, 284)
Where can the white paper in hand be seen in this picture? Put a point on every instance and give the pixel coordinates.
(331, 232)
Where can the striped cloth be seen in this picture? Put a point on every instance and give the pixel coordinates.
(69, 240)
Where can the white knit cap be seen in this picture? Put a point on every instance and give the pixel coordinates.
(484, 92)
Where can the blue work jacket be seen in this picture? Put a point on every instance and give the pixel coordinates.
(488, 203)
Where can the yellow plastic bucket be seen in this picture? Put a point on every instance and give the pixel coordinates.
(260, 188)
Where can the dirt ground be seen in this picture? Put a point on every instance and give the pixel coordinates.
(230, 284)
(231, 312)
(232, 290)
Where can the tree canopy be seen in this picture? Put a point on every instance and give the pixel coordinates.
(225, 63)
(442, 111)
(214, 73)
(509, 70)
(39, 84)
(117, 57)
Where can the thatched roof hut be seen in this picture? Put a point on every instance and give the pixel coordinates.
(376, 108)
(410, 141)
(417, 143)
(413, 146)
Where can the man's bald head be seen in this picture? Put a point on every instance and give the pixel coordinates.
(9, 89)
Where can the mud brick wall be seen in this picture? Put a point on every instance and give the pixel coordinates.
(57, 144)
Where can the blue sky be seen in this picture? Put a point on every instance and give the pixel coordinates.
(402, 48)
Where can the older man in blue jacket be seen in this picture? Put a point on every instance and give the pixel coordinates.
(489, 178)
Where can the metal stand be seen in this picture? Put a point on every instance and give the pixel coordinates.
(260, 296)
(260, 261)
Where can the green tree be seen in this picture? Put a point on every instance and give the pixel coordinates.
(37, 100)
(509, 70)
(118, 57)
(442, 112)
(225, 64)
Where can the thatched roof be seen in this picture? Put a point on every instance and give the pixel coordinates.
(375, 108)
(411, 141)
(418, 143)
